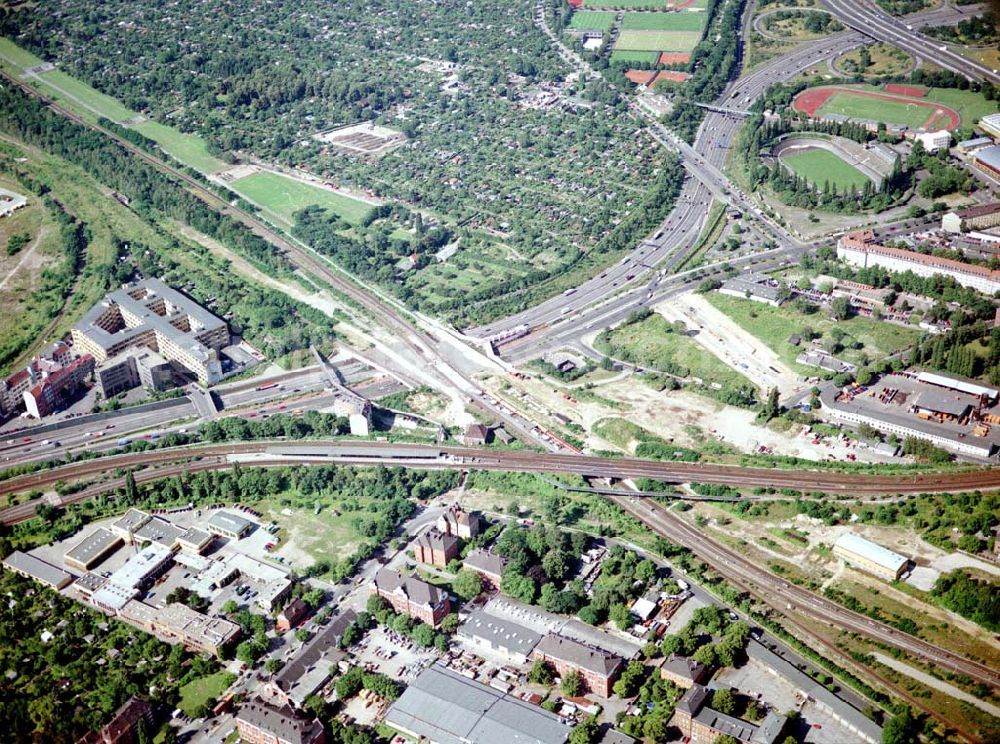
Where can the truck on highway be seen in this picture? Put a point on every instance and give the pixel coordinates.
(268, 386)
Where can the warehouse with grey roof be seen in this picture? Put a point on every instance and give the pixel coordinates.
(445, 707)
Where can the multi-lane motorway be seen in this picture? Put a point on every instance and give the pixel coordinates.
(646, 275)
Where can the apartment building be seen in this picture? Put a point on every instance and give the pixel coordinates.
(861, 249)
(153, 316)
(411, 596)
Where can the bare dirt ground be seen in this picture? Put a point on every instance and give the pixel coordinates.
(731, 344)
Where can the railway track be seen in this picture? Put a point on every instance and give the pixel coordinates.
(333, 451)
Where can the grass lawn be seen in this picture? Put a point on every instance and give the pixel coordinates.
(817, 166)
(283, 197)
(664, 21)
(83, 94)
(621, 55)
(200, 691)
(189, 149)
(652, 343)
(891, 112)
(663, 41)
(885, 60)
(592, 20)
(623, 433)
(773, 326)
(13, 54)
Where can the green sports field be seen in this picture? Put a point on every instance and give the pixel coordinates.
(624, 4)
(664, 21)
(912, 115)
(592, 20)
(619, 55)
(818, 166)
(283, 197)
(660, 41)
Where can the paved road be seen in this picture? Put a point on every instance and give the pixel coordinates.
(865, 17)
(637, 280)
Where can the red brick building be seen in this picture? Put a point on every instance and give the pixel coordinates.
(435, 547)
(683, 671)
(599, 669)
(259, 723)
(123, 728)
(488, 565)
(458, 522)
(411, 596)
(292, 615)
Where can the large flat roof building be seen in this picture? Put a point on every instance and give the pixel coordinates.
(500, 636)
(92, 549)
(229, 525)
(444, 707)
(143, 567)
(870, 556)
(152, 315)
(31, 567)
(178, 623)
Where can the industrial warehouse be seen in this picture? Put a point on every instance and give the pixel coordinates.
(131, 566)
(958, 415)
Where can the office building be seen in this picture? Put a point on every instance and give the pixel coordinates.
(861, 249)
(57, 388)
(132, 368)
(700, 724)
(934, 141)
(151, 315)
(991, 125)
(435, 548)
(756, 287)
(178, 623)
(314, 665)
(229, 525)
(683, 672)
(458, 522)
(488, 565)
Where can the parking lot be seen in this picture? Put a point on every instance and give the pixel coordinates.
(388, 652)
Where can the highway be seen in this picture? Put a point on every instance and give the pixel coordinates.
(430, 363)
(646, 275)
(865, 17)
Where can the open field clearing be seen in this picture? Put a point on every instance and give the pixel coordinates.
(664, 21)
(654, 343)
(774, 325)
(662, 41)
(819, 166)
(188, 149)
(283, 197)
(587, 20)
(640, 4)
(96, 101)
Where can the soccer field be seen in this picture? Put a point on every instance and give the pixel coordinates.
(619, 55)
(592, 20)
(283, 197)
(661, 41)
(664, 21)
(912, 115)
(819, 166)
